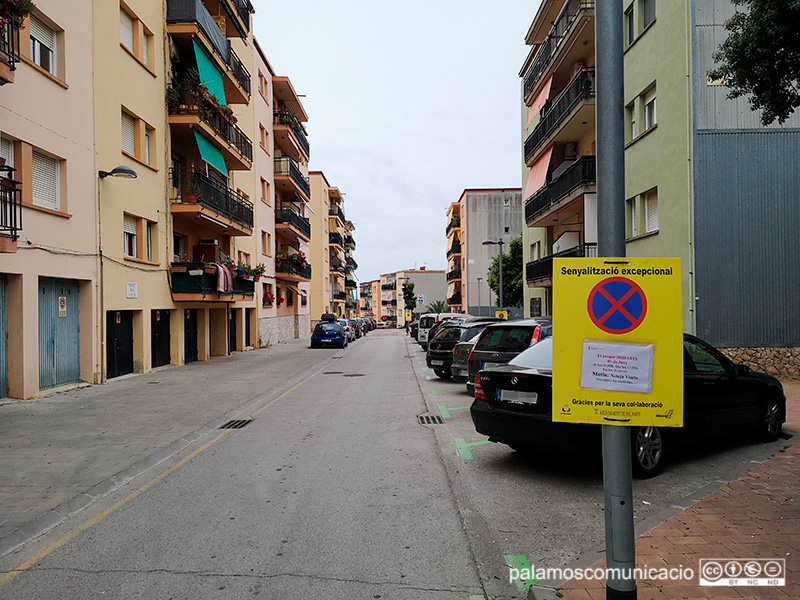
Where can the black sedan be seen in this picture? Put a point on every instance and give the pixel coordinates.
(513, 405)
(440, 347)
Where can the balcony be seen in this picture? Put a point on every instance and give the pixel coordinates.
(186, 19)
(570, 114)
(539, 273)
(290, 221)
(289, 270)
(349, 284)
(349, 242)
(9, 47)
(454, 274)
(352, 264)
(581, 176)
(290, 134)
(290, 179)
(453, 224)
(10, 210)
(335, 210)
(454, 300)
(239, 13)
(336, 238)
(342, 296)
(454, 249)
(195, 282)
(200, 112)
(204, 201)
(388, 286)
(554, 42)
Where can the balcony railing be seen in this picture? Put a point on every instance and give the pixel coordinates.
(580, 89)
(339, 295)
(453, 224)
(349, 283)
(388, 286)
(454, 274)
(195, 187)
(543, 268)
(349, 241)
(351, 263)
(210, 113)
(10, 203)
(9, 40)
(455, 249)
(454, 299)
(553, 41)
(288, 118)
(288, 266)
(207, 283)
(285, 165)
(336, 238)
(336, 211)
(582, 173)
(243, 7)
(193, 11)
(289, 217)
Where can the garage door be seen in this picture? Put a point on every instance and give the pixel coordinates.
(59, 346)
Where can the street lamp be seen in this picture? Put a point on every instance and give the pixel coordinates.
(500, 266)
(480, 308)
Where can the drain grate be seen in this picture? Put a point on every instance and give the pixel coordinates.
(332, 372)
(236, 424)
(354, 375)
(430, 420)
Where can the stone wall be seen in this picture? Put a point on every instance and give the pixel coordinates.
(775, 361)
(275, 330)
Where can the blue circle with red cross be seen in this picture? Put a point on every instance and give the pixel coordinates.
(617, 305)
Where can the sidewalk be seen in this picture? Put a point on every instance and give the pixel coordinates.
(61, 452)
(756, 516)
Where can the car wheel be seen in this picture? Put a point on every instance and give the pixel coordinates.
(771, 419)
(647, 448)
(441, 374)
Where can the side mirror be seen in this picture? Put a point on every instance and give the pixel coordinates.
(741, 369)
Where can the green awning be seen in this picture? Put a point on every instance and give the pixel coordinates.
(210, 75)
(210, 153)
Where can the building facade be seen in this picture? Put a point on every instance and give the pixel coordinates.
(477, 216)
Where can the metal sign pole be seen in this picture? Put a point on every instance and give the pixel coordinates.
(610, 103)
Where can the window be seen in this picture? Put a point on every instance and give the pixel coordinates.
(264, 138)
(266, 243)
(651, 211)
(263, 86)
(630, 27)
(650, 119)
(150, 233)
(134, 36)
(179, 247)
(129, 235)
(267, 296)
(46, 183)
(630, 218)
(43, 45)
(535, 251)
(138, 138)
(265, 192)
(7, 151)
(630, 113)
(648, 12)
(289, 297)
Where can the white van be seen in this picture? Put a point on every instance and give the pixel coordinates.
(426, 321)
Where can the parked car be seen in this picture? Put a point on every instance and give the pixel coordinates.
(351, 334)
(383, 325)
(455, 319)
(513, 405)
(427, 321)
(328, 333)
(356, 326)
(413, 328)
(443, 339)
(460, 367)
(501, 342)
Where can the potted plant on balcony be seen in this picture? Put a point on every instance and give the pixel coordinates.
(268, 298)
(258, 271)
(242, 269)
(279, 300)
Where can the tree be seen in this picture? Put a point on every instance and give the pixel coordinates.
(513, 274)
(440, 306)
(408, 295)
(762, 57)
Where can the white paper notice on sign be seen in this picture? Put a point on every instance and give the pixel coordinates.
(617, 367)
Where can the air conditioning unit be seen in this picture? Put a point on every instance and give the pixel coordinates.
(570, 150)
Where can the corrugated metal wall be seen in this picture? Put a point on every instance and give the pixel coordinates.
(59, 345)
(747, 220)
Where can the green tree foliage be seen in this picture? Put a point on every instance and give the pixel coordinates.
(513, 274)
(762, 57)
(408, 295)
(440, 306)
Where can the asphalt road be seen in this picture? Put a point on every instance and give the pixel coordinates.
(335, 490)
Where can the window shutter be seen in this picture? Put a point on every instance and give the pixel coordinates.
(45, 184)
(126, 29)
(651, 210)
(129, 224)
(43, 34)
(7, 151)
(145, 51)
(128, 134)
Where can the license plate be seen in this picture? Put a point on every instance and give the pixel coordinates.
(437, 363)
(516, 397)
(323, 341)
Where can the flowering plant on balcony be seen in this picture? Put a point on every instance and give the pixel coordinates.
(14, 9)
(297, 260)
(268, 298)
(279, 300)
(258, 270)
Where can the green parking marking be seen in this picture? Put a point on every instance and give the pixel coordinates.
(521, 563)
(434, 391)
(445, 412)
(463, 448)
(428, 377)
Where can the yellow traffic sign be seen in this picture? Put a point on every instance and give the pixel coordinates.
(501, 314)
(618, 341)
(409, 316)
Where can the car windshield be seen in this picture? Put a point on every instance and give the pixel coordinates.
(538, 356)
(505, 339)
(327, 327)
(448, 334)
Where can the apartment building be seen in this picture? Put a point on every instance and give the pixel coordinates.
(479, 215)
(368, 292)
(49, 302)
(430, 286)
(705, 181)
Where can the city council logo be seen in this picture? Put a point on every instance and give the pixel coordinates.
(565, 410)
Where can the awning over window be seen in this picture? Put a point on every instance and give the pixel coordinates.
(210, 153)
(539, 101)
(296, 290)
(537, 175)
(210, 75)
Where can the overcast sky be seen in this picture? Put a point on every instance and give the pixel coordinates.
(409, 103)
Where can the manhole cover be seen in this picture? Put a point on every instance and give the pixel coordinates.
(354, 375)
(430, 420)
(236, 424)
(332, 372)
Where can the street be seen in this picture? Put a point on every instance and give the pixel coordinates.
(336, 490)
